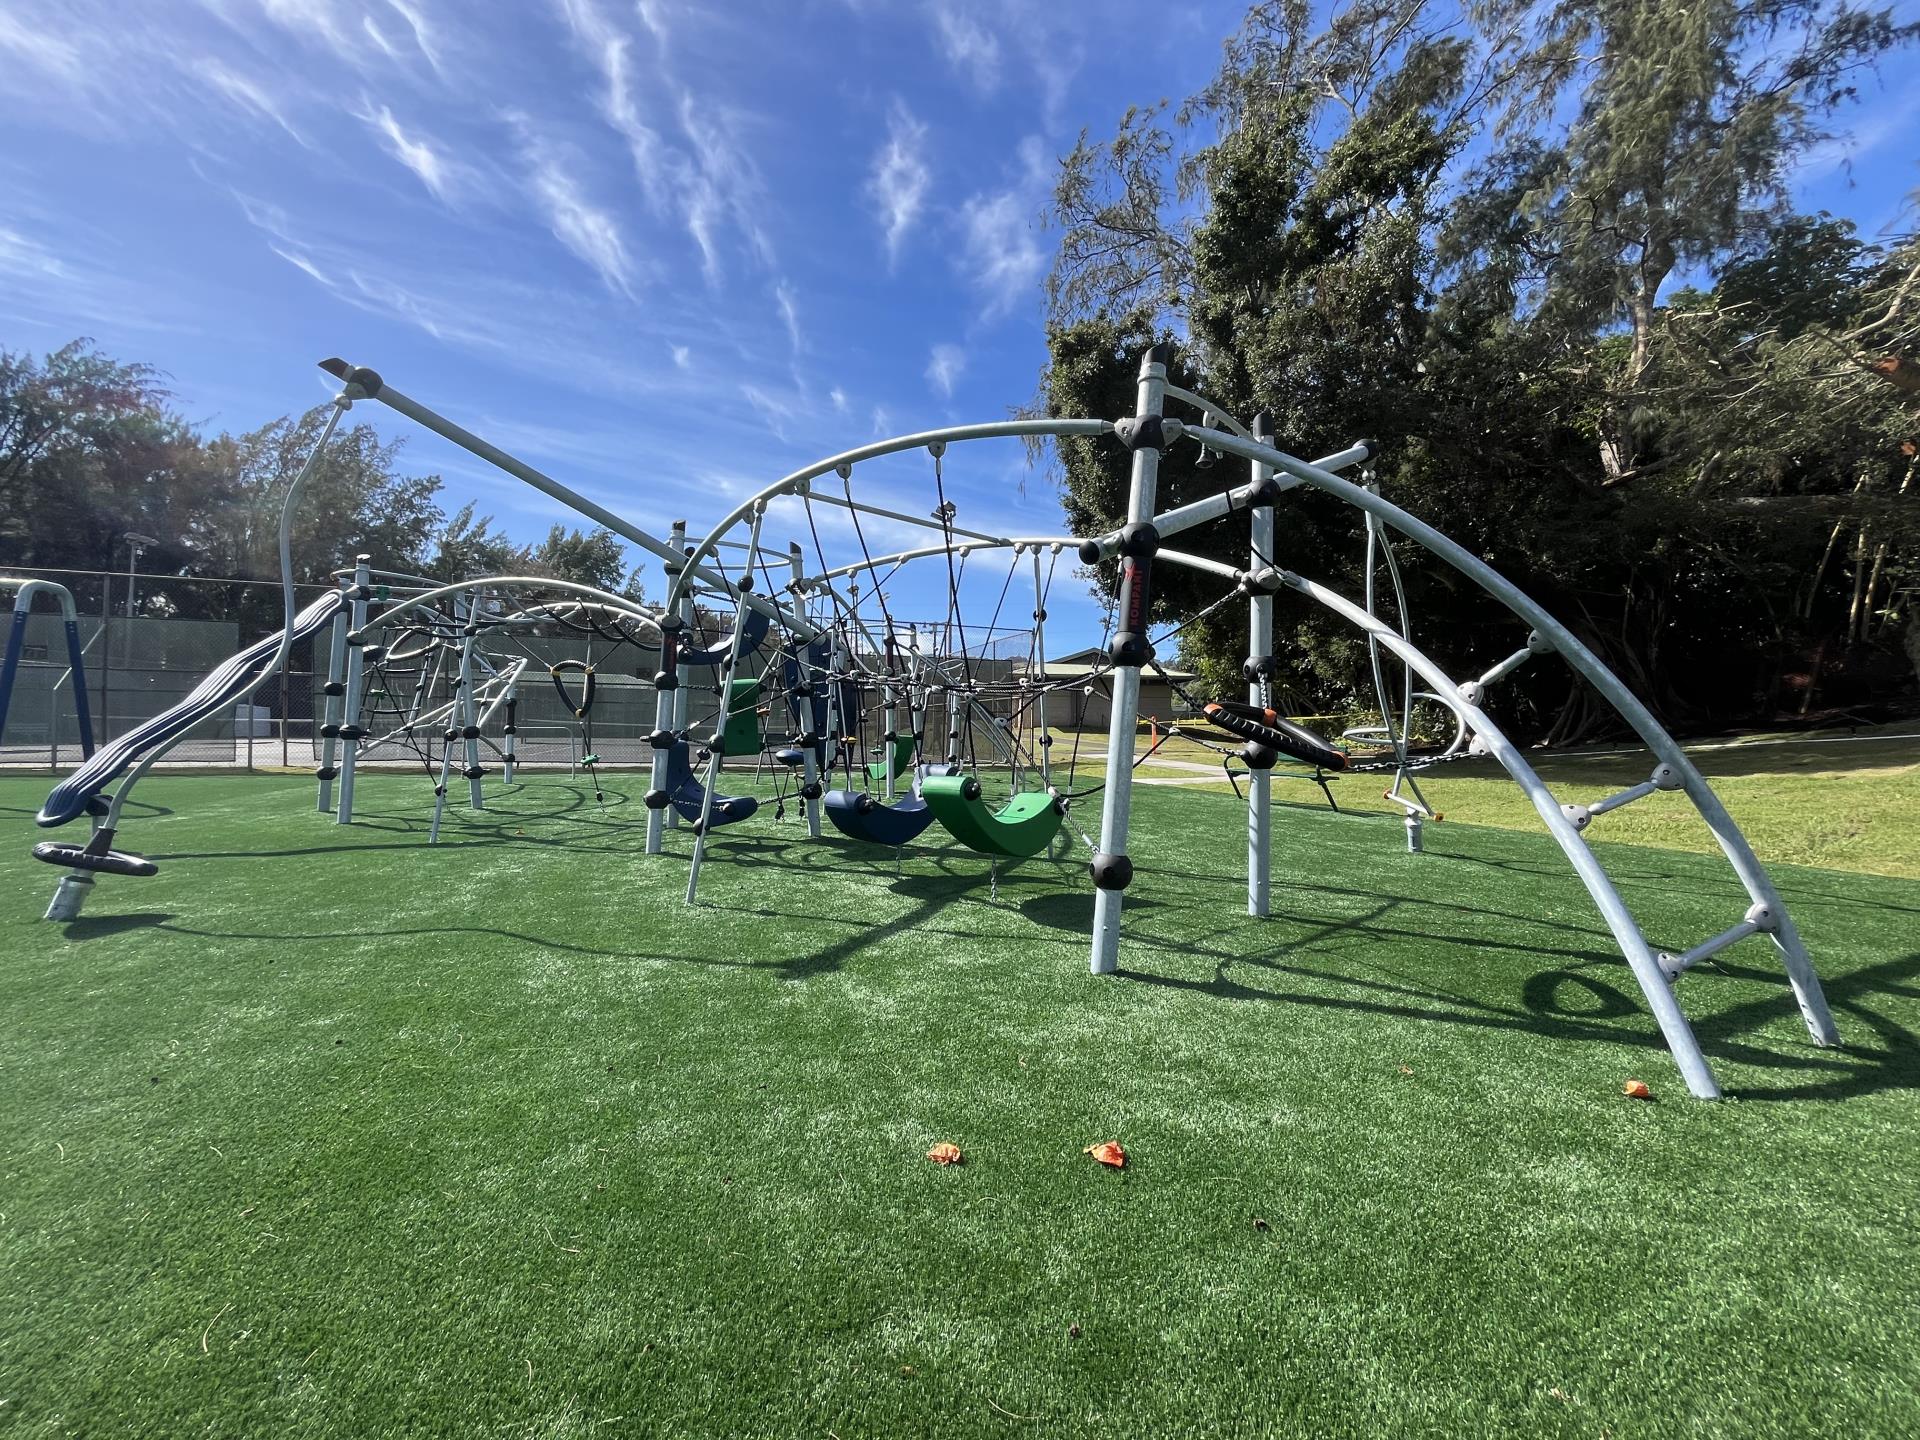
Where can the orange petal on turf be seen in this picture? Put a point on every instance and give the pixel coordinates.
(1108, 1152)
(945, 1153)
(1638, 1089)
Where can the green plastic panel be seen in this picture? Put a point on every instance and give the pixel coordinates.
(742, 733)
(902, 761)
(1022, 827)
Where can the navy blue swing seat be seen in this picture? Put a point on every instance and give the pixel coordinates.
(687, 795)
(860, 816)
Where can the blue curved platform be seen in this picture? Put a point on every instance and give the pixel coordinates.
(856, 814)
(688, 796)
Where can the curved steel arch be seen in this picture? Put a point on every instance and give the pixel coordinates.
(1654, 981)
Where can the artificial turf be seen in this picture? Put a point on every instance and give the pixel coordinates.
(323, 1132)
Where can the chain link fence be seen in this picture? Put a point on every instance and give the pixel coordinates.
(146, 642)
(149, 640)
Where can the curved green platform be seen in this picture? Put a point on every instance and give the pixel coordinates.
(1022, 827)
(902, 761)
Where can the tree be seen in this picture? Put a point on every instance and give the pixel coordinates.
(87, 445)
(597, 557)
(1315, 230)
(1688, 118)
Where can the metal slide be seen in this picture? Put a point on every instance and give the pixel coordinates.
(73, 796)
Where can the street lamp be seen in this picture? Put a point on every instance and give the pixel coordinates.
(136, 542)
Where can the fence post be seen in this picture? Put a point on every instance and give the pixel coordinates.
(106, 659)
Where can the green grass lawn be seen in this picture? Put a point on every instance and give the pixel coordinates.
(1838, 802)
(323, 1132)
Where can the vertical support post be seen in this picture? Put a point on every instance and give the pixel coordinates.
(1112, 869)
(1259, 685)
(335, 686)
(666, 684)
(16, 639)
(510, 732)
(106, 658)
(1045, 743)
(886, 724)
(836, 693)
(356, 672)
(716, 751)
(469, 713)
(682, 696)
(286, 754)
(803, 671)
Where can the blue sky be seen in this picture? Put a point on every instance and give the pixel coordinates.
(665, 251)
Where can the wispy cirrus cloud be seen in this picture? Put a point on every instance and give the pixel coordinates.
(247, 94)
(945, 365)
(577, 222)
(790, 313)
(970, 47)
(900, 176)
(1001, 254)
(425, 157)
(705, 178)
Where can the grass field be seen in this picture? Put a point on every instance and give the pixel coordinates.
(1837, 801)
(322, 1132)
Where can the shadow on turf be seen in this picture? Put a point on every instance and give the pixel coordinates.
(1566, 1002)
(1609, 1014)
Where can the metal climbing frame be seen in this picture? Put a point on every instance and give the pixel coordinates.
(1138, 544)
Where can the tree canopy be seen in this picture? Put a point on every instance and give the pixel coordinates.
(1547, 258)
(91, 450)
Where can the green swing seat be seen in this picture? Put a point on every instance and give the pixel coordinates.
(902, 761)
(1024, 826)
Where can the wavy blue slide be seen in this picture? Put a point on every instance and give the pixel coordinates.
(234, 678)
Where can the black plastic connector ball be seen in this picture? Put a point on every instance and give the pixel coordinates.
(474, 772)
(660, 739)
(1256, 756)
(469, 732)
(1139, 538)
(662, 680)
(333, 687)
(1130, 650)
(1111, 872)
(1090, 552)
(1256, 666)
(746, 584)
(863, 803)
(970, 790)
(810, 790)
(326, 772)
(374, 654)
(1263, 492)
(354, 637)
(353, 732)
(717, 743)
(450, 735)
(329, 732)
(655, 799)
(439, 790)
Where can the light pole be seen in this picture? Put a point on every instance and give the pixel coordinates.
(136, 542)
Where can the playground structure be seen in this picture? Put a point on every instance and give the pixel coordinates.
(918, 726)
(73, 680)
